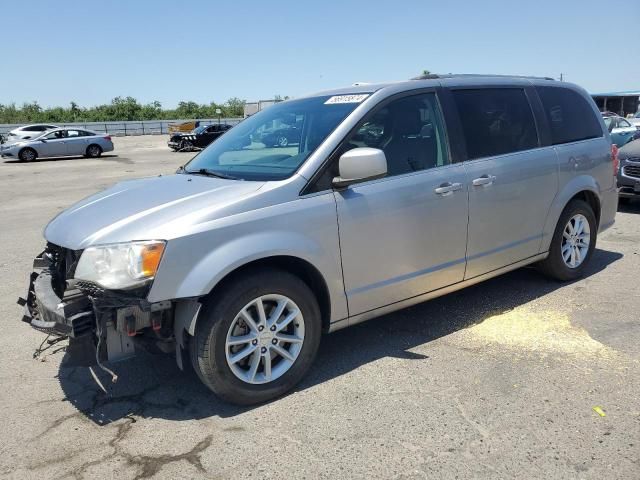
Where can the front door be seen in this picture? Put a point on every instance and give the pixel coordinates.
(405, 234)
(512, 180)
(53, 145)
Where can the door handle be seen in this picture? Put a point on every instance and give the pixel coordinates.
(483, 180)
(447, 188)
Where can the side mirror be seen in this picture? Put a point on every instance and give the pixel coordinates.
(360, 165)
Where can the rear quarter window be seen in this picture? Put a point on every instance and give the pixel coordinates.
(570, 117)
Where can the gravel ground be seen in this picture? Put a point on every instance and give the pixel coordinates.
(496, 381)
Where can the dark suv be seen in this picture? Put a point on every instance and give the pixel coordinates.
(629, 173)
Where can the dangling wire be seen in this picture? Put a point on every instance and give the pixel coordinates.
(50, 344)
(114, 377)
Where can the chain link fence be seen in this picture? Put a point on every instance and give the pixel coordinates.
(144, 127)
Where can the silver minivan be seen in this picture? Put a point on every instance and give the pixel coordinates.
(392, 194)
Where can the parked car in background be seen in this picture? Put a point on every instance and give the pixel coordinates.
(621, 130)
(629, 172)
(281, 137)
(635, 120)
(28, 132)
(395, 194)
(60, 142)
(198, 138)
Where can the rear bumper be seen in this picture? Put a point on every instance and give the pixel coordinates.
(608, 209)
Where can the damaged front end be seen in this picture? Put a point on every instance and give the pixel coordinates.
(101, 325)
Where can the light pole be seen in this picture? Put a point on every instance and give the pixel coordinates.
(218, 112)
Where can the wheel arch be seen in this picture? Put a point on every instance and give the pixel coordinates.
(86, 150)
(297, 266)
(584, 188)
(27, 148)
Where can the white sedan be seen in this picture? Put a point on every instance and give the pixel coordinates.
(28, 132)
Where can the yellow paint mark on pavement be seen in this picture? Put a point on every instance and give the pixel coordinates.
(535, 331)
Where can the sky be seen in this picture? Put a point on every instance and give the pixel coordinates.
(90, 51)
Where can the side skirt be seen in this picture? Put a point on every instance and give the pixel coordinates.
(363, 317)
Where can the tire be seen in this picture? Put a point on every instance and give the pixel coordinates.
(555, 265)
(186, 145)
(211, 355)
(282, 141)
(27, 155)
(94, 151)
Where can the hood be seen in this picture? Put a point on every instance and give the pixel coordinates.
(630, 150)
(157, 208)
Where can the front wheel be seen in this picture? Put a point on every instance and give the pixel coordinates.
(573, 242)
(27, 155)
(257, 337)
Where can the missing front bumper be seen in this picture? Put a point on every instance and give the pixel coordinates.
(100, 324)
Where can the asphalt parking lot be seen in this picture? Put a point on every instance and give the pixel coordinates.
(496, 381)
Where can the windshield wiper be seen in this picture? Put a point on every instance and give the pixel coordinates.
(209, 173)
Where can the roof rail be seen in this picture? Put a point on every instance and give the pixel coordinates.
(431, 76)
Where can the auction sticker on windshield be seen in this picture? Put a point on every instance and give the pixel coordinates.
(346, 99)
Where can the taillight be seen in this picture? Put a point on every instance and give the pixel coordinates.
(107, 137)
(616, 160)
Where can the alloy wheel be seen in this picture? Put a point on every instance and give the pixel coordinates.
(576, 237)
(265, 339)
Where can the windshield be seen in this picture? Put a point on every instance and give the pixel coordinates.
(273, 143)
(199, 129)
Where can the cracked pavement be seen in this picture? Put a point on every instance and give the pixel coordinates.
(495, 381)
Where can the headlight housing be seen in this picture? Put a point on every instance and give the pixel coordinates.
(120, 265)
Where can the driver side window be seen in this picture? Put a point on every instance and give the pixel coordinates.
(55, 135)
(409, 131)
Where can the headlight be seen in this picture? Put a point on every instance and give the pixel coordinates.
(121, 265)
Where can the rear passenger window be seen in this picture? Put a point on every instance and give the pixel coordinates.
(495, 121)
(569, 115)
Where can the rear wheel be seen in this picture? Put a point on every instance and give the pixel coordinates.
(257, 337)
(27, 155)
(94, 151)
(573, 242)
(282, 141)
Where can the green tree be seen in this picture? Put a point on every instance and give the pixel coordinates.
(234, 107)
(118, 110)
